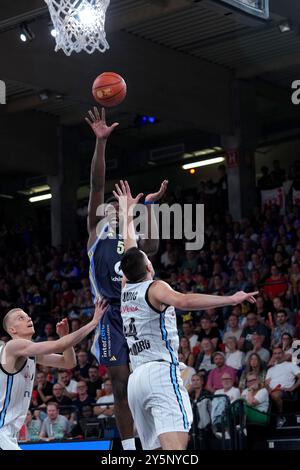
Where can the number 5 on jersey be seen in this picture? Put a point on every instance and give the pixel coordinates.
(120, 247)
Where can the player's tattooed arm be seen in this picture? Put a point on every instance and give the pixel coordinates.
(97, 181)
(150, 244)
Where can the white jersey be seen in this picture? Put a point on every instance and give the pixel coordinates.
(151, 335)
(15, 395)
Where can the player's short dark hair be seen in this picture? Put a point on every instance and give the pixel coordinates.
(133, 265)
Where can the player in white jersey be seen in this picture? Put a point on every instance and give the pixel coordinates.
(158, 400)
(17, 366)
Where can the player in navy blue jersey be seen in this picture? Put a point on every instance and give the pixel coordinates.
(105, 250)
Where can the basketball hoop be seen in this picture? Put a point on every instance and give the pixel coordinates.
(79, 25)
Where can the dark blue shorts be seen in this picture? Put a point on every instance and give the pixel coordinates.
(110, 346)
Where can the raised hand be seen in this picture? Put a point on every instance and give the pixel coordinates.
(62, 328)
(98, 124)
(154, 197)
(100, 309)
(124, 196)
(240, 297)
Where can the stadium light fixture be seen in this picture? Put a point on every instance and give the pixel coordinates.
(26, 34)
(210, 161)
(43, 197)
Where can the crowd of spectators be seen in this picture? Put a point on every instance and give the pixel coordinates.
(244, 349)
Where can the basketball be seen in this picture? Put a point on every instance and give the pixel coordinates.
(109, 89)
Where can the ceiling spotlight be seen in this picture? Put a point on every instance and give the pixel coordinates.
(285, 26)
(53, 32)
(26, 34)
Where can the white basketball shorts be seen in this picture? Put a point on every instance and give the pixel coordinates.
(8, 441)
(158, 401)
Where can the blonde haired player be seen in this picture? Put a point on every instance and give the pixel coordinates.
(158, 400)
(17, 366)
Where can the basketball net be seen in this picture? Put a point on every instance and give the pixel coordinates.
(79, 25)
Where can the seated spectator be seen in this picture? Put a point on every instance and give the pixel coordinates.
(106, 408)
(286, 343)
(216, 317)
(185, 351)
(48, 330)
(69, 385)
(234, 357)
(204, 360)
(214, 381)
(95, 383)
(255, 394)
(188, 332)
(31, 429)
(197, 390)
(228, 389)
(239, 282)
(81, 371)
(200, 406)
(219, 404)
(241, 315)
(186, 372)
(258, 349)
(43, 390)
(282, 326)
(255, 365)
(82, 397)
(208, 331)
(75, 324)
(275, 285)
(54, 426)
(260, 309)
(59, 397)
(233, 328)
(282, 379)
(279, 305)
(253, 326)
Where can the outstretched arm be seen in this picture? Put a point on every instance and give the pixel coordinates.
(24, 348)
(97, 184)
(161, 293)
(65, 361)
(150, 244)
(127, 204)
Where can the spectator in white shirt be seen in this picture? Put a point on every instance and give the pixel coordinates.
(106, 408)
(282, 379)
(69, 385)
(234, 357)
(255, 395)
(228, 389)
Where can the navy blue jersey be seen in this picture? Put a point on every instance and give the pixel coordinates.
(105, 258)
